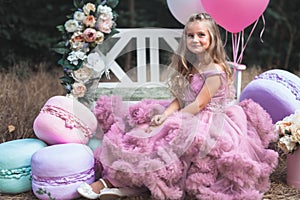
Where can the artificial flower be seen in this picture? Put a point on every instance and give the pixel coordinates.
(77, 37)
(87, 8)
(104, 9)
(71, 25)
(90, 35)
(90, 24)
(77, 41)
(82, 75)
(295, 135)
(79, 16)
(74, 56)
(99, 37)
(77, 45)
(288, 131)
(79, 89)
(95, 62)
(105, 16)
(89, 21)
(286, 144)
(104, 24)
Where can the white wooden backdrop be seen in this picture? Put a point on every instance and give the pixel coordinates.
(147, 40)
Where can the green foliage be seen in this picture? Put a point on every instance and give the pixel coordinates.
(29, 31)
(111, 3)
(60, 48)
(78, 3)
(41, 191)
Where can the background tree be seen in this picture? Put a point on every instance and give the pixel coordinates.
(28, 30)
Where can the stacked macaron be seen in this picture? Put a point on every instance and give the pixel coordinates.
(65, 120)
(58, 170)
(15, 168)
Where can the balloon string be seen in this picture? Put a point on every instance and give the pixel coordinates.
(235, 45)
(263, 29)
(244, 45)
(226, 39)
(234, 38)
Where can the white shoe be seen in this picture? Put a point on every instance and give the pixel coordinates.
(86, 190)
(116, 193)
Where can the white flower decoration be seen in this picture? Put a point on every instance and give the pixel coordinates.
(87, 29)
(79, 16)
(286, 144)
(288, 131)
(95, 62)
(76, 45)
(72, 25)
(105, 10)
(74, 56)
(81, 55)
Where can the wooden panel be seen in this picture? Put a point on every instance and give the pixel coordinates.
(141, 59)
(154, 35)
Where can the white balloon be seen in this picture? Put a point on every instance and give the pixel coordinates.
(183, 9)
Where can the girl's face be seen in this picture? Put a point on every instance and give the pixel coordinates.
(197, 37)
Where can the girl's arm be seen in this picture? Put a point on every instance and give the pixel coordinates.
(208, 90)
(173, 106)
(159, 119)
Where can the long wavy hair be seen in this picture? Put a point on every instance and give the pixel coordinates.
(183, 59)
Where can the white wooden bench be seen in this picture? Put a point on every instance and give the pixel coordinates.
(147, 44)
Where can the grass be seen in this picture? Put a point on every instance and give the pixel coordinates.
(22, 99)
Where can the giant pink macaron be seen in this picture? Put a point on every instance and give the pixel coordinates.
(58, 170)
(277, 91)
(64, 120)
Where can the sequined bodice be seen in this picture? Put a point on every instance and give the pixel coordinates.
(196, 83)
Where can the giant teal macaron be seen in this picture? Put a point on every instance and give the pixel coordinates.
(15, 169)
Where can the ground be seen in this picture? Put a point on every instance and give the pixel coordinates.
(17, 118)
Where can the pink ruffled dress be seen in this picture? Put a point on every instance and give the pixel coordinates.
(220, 153)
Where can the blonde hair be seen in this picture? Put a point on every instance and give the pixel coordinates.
(183, 60)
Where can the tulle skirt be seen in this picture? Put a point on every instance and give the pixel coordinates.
(212, 155)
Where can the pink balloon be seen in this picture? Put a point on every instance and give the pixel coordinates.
(235, 15)
(182, 9)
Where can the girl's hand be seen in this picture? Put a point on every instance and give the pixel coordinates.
(158, 119)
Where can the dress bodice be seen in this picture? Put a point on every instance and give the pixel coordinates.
(196, 83)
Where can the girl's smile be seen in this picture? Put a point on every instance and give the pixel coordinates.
(198, 37)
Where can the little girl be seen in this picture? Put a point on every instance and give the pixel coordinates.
(198, 147)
